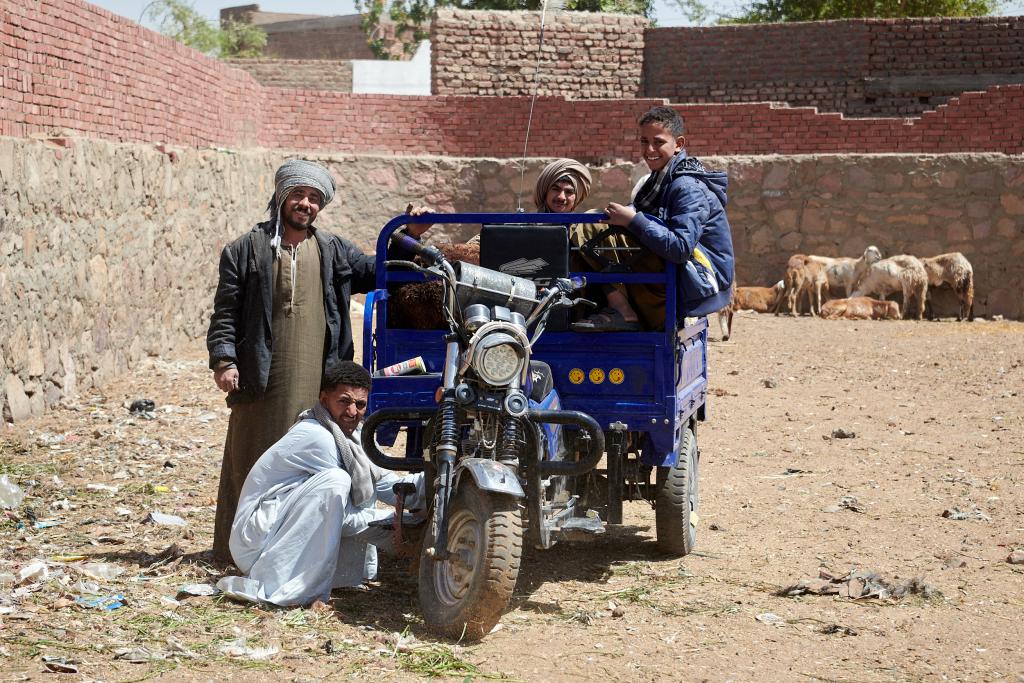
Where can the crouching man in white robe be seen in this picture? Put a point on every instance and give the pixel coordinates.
(303, 520)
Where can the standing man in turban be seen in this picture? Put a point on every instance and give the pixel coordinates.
(280, 315)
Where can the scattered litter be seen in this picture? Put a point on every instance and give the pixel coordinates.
(32, 572)
(715, 526)
(769, 383)
(169, 602)
(164, 519)
(123, 512)
(793, 471)
(859, 585)
(954, 562)
(101, 571)
(838, 629)
(198, 589)
(959, 515)
(46, 523)
(11, 494)
(59, 665)
(106, 603)
(771, 618)
(1016, 557)
(103, 487)
(143, 407)
(851, 503)
(138, 655)
(178, 649)
(238, 648)
(840, 433)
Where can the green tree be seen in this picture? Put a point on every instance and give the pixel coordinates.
(178, 19)
(411, 18)
(764, 11)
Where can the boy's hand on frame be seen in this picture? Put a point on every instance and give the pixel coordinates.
(417, 229)
(619, 214)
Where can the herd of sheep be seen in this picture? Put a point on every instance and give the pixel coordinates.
(858, 279)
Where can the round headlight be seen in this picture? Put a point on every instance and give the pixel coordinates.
(498, 363)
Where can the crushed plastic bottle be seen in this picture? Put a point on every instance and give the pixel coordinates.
(11, 494)
(101, 571)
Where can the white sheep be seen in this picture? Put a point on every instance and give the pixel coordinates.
(954, 270)
(902, 273)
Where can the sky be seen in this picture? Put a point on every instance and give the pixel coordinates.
(667, 12)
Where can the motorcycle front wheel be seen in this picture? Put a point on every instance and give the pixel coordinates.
(464, 595)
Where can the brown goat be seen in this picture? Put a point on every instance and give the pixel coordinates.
(955, 270)
(418, 305)
(760, 299)
(860, 308)
(804, 274)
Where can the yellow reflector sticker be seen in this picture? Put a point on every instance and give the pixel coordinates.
(576, 376)
(596, 376)
(694, 518)
(616, 376)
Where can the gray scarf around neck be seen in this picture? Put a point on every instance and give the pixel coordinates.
(353, 458)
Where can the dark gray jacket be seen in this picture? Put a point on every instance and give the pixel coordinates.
(240, 324)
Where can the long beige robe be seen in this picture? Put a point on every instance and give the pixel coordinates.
(298, 330)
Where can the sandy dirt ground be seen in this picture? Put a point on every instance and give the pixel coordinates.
(937, 419)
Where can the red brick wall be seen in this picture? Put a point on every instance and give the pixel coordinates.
(69, 65)
(66, 64)
(598, 130)
(877, 67)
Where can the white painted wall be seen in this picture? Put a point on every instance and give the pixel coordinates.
(382, 76)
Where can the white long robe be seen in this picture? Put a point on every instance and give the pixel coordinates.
(297, 534)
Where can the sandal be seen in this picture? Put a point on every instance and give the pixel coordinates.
(606, 320)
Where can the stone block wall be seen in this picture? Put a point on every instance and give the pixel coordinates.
(837, 205)
(306, 74)
(875, 67)
(109, 252)
(584, 56)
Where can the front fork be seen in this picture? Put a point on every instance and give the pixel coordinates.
(447, 449)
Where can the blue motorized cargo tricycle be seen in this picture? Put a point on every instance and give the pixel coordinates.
(523, 432)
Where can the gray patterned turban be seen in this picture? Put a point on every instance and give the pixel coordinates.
(298, 173)
(301, 173)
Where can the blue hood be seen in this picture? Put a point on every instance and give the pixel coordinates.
(717, 181)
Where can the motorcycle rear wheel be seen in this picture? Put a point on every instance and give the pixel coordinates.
(464, 596)
(678, 500)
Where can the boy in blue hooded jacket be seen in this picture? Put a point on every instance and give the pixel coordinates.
(678, 213)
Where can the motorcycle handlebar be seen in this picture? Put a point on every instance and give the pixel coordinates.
(431, 254)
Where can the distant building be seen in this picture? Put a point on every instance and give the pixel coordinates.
(305, 36)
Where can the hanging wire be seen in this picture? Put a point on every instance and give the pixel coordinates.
(555, 6)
